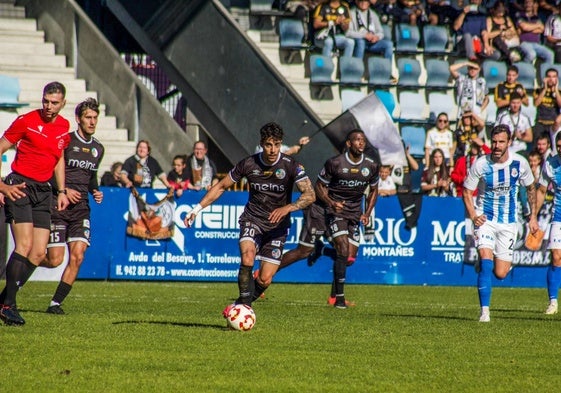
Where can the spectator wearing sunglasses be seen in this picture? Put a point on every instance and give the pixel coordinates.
(441, 137)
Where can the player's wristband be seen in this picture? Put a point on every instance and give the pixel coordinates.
(197, 209)
(63, 191)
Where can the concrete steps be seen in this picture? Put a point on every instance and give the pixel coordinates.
(27, 56)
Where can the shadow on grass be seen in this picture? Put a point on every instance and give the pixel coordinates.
(536, 316)
(184, 324)
(427, 316)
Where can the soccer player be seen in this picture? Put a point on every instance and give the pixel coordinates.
(265, 220)
(72, 225)
(341, 185)
(498, 177)
(41, 137)
(551, 173)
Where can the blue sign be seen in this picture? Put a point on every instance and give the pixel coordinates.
(430, 254)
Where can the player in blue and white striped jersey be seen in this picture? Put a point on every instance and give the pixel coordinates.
(551, 173)
(497, 177)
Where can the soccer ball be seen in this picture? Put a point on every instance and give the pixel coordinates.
(241, 317)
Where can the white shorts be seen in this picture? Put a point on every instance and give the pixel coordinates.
(498, 237)
(555, 236)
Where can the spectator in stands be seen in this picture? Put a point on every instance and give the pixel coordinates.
(546, 8)
(471, 26)
(414, 11)
(112, 178)
(442, 12)
(535, 160)
(386, 185)
(331, 21)
(366, 31)
(435, 180)
(464, 163)
(543, 146)
(388, 11)
(552, 33)
(531, 32)
(547, 100)
(471, 89)
(519, 124)
(201, 171)
(503, 40)
(412, 166)
(141, 170)
(504, 89)
(471, 127)
(301, 9)
(441, 137)
(178, 177)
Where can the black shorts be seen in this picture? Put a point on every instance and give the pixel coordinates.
(339, 226)
(35, 207)
(70, 225)
(315, 225)
(269, 244)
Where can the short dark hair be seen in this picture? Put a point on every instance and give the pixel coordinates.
(88, 103)
(116, 165)
(515, 96)
(512, 68)
(557, 137)
(350, 133)
(271, 130)
(53, 88)
(501, 128)
(551, 69)
(181, 157)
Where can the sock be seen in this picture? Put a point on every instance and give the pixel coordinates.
(553, 281)
(18, 271)
(332, 288)
(258, 290)
(245, 283)
(3, 296)
(329, 252)
(484, 282)
(61, 292)
(340, 275)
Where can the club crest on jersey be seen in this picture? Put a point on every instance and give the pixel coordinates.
(514, 172)
(365, 172)
(280, 173)
(60, 144)
(276, 253)
(95, 153)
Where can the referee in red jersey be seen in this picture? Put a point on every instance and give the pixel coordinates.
(41, 137)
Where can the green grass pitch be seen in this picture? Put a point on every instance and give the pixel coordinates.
(171, 337)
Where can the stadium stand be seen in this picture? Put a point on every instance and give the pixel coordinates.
(379, 72)
(412, 105)
(407, 38)
(351, 70)
(494, 72)
(414, 137)
(436, 39)
(291, 37)
(438, 74)
(9, 92)
(409, 72)
(526, 75)
(321, 79)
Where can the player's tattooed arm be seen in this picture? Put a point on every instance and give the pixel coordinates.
(307, 196)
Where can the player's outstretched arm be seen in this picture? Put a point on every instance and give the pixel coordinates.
(212, 195)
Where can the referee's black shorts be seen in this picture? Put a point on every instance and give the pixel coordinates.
(35, 207)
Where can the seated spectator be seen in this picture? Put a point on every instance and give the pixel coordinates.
(301, 9)
(412, 166)
(535, 160)
(435, 180)
(552, 33)
(470, 127)
(519, 124)
(201, 171)
(531, 32)
(178, 177)
(463, 163)
(441, 137)
(547, 100)
(414, 11)
(546, 8)
(367, 32)
(112, 178)
(441, 12)
(503, 39)
(386, 185)
(504, 89)
(471, 89)
(471, 27)
(141, 170)
(331, 21)
(389, 11)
